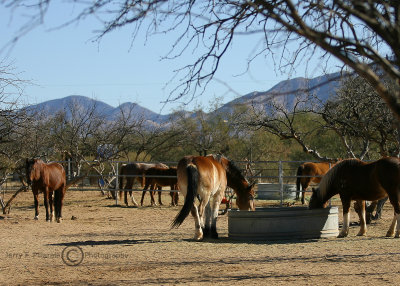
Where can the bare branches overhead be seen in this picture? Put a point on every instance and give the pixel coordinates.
(363, 34)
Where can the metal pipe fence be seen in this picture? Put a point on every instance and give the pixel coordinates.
(280, 173)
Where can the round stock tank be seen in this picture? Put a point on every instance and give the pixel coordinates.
(276, 223)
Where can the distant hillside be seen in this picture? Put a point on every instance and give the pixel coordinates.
(109, 112)
(285, 92)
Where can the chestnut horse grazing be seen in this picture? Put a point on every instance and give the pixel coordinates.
(353, 179)
(157, 178)
(134, 172)
(206, 178)
(47, 178)
(308, 173)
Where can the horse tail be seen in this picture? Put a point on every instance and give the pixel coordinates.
(192, 183)
(298, 180)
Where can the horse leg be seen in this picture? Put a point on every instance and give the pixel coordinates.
(52, 207)
(205, 215)
(207, 220)
(394, 200)
(36, 201)
(393, 225)
(57, 194)
(46, 203)
(346, 218)
(60, 203)
(176, 198)
(126, 197)
(303, 191)
(198, 235)
(159, 196)
(216, 202)
(152, 192)
(133, 199)
(379, 208)
(143, 193)
(361, 215)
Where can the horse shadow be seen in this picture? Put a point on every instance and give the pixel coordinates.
(124, 242)
(221, 240)
(228, 240)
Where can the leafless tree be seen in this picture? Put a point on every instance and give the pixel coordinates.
(275, 118)
(360, 118)
(363, 34)
(12, 121)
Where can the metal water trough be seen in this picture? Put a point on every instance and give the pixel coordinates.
(283, 223)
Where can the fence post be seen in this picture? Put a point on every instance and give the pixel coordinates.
(281, 181)
(116, 185)
(69, 168)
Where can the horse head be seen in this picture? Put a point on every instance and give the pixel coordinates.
(315, 201)
(32, 170)
(245, 198)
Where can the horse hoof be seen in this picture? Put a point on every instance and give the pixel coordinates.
(206, 232)
(36, 218)
(59, 220)
(214, 235)
(198, 234)
(341, 235)
(389, 234)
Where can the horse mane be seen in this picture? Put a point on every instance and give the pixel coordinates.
(234, 171)
(234, 174)
(328, 180)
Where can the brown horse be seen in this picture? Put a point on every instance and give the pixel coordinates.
(308, 173)
(353, 179)
(206, 178)
(157, 178)
(134, 172)
(47, 178)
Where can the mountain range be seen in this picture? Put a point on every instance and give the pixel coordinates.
(284, 92)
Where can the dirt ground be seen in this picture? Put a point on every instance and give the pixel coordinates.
(115, 245)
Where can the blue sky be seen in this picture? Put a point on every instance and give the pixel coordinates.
(65, 61)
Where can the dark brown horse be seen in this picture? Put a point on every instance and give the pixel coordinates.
(206, 178)
(156, 178)
(134, 172)
(353, 179)
(47, 178)
(308, 173)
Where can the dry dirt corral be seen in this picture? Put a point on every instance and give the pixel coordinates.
(136, 246)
